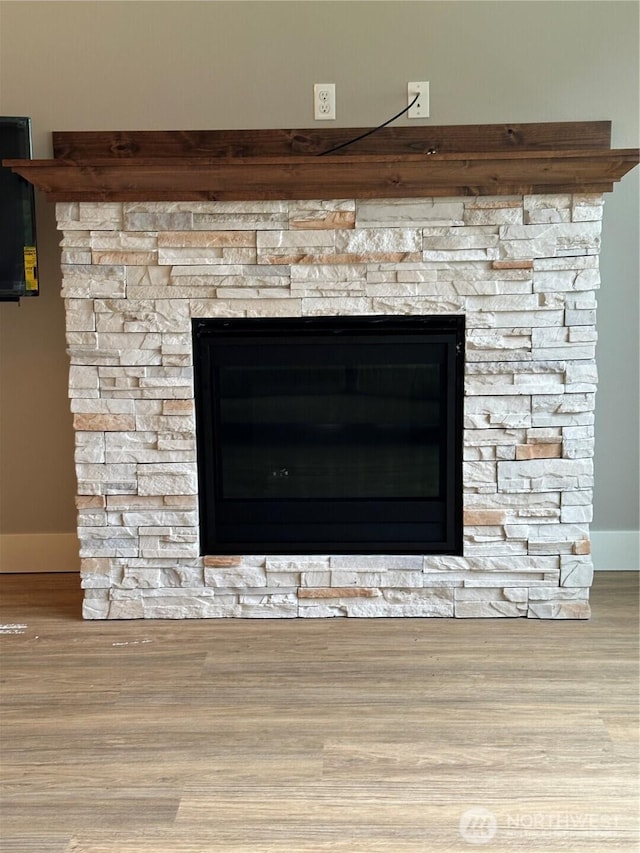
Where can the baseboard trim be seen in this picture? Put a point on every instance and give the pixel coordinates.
(38, 552)
(616, 550)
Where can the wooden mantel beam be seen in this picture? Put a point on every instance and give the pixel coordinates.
(270, 165)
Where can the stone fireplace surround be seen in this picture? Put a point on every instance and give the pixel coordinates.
(523, 271)
(522, 268)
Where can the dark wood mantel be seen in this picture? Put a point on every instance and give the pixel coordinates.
(290, 164)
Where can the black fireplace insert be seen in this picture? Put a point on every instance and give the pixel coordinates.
(330, 434)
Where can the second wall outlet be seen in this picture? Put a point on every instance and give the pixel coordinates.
(324, 101)
(421, 107)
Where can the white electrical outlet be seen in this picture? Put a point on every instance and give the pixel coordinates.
(421, 107)
(324, 101)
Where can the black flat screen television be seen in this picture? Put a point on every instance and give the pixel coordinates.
(18, 252)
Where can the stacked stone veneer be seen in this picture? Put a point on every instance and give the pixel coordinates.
(523, 270)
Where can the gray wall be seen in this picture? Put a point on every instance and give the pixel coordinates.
(172, 65)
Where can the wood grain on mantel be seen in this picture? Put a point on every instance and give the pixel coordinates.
(448, 139)
(284, 164)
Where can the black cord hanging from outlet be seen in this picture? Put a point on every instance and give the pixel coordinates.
(369, 132)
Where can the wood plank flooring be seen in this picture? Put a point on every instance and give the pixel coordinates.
(358, 736)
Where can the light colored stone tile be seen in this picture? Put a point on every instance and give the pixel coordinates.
(127, 258)
(515, 319)
(158, 315)
(559, 610)
(310, 241)
(298, 562)
(239, 577)
(408, 603)
(543, 475)
(513, 378)
(503, 580)
(489, 609)
(79, 315)
(565, 410)
(518, 507)
(255, 293)
(546, 215)
(458, 256)
(151, 517)
(400, 212)
(373, 562)
(131, 502)
(493, 216)
(340, 306)
(346, 578)
(167, 479)
(137, 220)
(286, 581)
(314, 578)
(576, 514)
(498, 564)
(586, 208)
(487, 411)
(463, 239)
(246, 307)
(321, 218)
(166, 547)
(95, 604)
(271, 605)
(493, 345)
(578, 448)
(493, 437)
(580, 317)
(327, 273)
(376, 603)
(374, 241)
(416, 305)
(76, 256)
(160, 578)
(478, 473)
(198, 257)
(487, 594)
(576, 571)
(92, 281)
(89, 216)
(206, 239)
(574, 262)
(89, 447)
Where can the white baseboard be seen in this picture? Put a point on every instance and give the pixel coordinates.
(39, 552)
(616, 550)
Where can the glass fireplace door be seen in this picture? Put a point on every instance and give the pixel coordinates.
(327, 435)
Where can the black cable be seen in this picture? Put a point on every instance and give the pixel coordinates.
(369, 132)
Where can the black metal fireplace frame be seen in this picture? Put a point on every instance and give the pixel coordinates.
(317, 526)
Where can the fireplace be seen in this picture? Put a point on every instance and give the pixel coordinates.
(498, 226)
(330, 434)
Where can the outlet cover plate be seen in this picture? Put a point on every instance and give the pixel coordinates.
(421, 107)
(324, 101)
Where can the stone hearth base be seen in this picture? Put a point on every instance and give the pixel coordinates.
(523, 271)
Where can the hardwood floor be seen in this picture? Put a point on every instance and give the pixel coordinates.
(346, 735)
